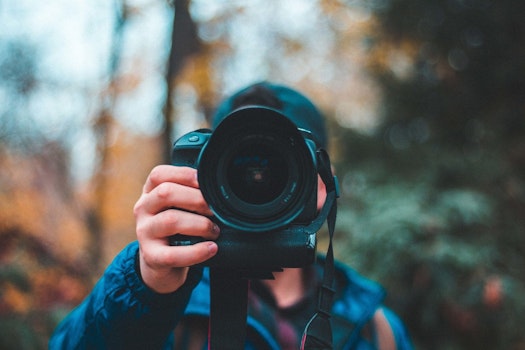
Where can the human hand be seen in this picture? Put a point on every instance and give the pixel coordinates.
(171, 203)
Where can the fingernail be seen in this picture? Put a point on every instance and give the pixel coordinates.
(212, 248)
(216, 229)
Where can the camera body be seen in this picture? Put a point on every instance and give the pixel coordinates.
(258, 173)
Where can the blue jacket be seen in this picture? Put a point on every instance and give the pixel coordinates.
(123, 313)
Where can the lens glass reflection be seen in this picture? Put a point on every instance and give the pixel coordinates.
(257, 174)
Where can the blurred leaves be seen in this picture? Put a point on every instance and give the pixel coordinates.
(432, 225)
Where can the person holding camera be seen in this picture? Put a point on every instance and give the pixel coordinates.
(156, 293)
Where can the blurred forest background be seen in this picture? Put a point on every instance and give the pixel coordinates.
(426, 103)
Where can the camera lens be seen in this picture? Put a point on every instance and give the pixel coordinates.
(256, 172)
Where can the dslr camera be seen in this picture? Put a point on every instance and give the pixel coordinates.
(258, 173)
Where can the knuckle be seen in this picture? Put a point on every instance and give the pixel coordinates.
(163, 190)
(156, 174)
(148, 258)
(138, 207)
(141, 230)
(170, 219)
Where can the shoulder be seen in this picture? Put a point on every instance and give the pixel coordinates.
(359, 300)
(389, 330)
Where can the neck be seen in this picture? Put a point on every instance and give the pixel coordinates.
(287, 287)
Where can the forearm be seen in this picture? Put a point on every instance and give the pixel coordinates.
(122, 312)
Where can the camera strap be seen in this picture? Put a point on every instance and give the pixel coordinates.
(229, 304)
(318, 331)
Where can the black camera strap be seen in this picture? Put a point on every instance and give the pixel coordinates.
(228, 312)
(318, 332)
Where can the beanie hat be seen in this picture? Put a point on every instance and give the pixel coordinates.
(295, 106)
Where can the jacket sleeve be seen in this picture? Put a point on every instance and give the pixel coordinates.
(121, 312)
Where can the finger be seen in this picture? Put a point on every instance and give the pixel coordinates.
(168, 173)
(172, 221)
(159, 255)
(171, 195)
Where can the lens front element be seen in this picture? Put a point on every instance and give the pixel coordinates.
(257, 173)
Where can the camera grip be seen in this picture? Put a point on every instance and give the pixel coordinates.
(184, 240)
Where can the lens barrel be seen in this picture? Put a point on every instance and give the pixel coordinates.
(257, 171)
